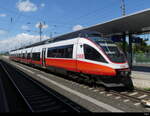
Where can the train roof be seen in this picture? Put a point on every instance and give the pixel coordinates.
(134, 23)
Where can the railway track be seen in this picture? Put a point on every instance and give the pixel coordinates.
(37, 97)
(134, 97)
(137, 96)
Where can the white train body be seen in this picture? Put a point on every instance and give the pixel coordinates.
(100, 57)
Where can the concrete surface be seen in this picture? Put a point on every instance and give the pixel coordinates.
(141, 79)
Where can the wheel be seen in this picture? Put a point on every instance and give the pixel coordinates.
(127, 81)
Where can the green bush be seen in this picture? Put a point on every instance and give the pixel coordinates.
(141, 57)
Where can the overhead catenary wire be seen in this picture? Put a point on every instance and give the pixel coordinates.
(82, 17)
(41, 18)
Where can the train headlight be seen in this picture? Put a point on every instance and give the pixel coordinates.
(122, 73)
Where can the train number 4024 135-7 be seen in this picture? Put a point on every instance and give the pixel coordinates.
(80, 55)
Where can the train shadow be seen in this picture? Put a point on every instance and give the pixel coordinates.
(141, 68)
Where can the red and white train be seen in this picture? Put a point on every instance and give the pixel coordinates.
(88, 54)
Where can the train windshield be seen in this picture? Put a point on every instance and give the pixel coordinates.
(111, 49)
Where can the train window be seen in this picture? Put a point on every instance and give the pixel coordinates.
(114, 53)
(28, 56)
(49, 53)
(20, 55)
(23, 55)
(61, 52)
(54, 53)
(69, 52)
(92, 54)
(112, 50)
(36, 56)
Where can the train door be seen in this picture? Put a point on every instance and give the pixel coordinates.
(79, 56)
(26, 60)
(31, 56)
(43, 57)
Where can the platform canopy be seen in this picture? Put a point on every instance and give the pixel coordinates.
(134, 23)
(138, 22)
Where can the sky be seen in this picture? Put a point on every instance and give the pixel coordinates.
(19, 19)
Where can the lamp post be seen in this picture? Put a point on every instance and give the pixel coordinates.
(123, 8)
(40, 27)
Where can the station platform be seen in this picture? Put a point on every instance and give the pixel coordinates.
(141, 76)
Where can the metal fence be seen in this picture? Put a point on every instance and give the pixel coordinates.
(141, 58)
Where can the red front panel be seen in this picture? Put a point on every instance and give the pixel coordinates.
(62, 63)
(36, 62)
(24, 60)
(81, 66)
(29, 61)
(96, 69)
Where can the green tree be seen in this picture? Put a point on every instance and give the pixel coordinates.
(141, 47)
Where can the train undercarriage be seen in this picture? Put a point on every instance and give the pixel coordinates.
(106, 81)
(119, 81)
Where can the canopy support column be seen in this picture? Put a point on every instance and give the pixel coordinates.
(124, 43)
(130, 51)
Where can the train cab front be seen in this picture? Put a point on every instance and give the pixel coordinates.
(123, 72)
(114, 59)
(119, 61)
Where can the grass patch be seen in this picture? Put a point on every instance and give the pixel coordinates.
(147, 89)
(142, 58)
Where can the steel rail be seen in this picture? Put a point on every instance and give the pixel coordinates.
(4, 103)
(69, 106)
(17, 88)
